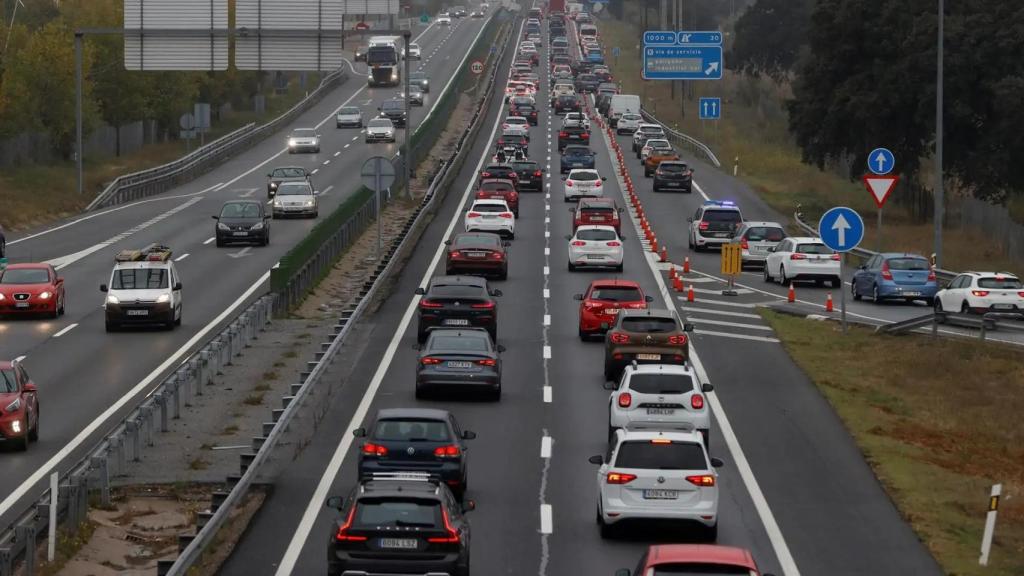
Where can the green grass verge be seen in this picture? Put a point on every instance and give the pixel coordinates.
(939, 422)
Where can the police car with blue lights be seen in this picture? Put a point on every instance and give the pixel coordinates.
(713, 224)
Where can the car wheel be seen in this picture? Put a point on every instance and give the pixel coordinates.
(56, 311)
(689, 242)
(853, 290)
(584, 335)
(111, 327)
(711, 533)
(181, 313)
(964, 308)
(496, 394)
(421, 335)
(22, 443)
(874, 294)
(767, 274)
(611, 433)
(609, 370)
(420, 394)
(504, 274)
(938, 309)
(607, 530)
(929, 301)
(836, 282)
(619, 267)
(782, 275)
(571, 266)
(494, 334)
(647, 173)
(220, 243)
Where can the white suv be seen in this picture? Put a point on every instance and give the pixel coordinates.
(650, 475)
(981, 292)
(491, 216)
(659, 397)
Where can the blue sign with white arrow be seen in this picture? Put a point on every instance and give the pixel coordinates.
(841, 229)
(710, 108)
(682, 63)
(881, 161)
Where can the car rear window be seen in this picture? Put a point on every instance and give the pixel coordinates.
(488, 208)
(765, 234)
(525, 166)
(995, 283)
(616, 294)
(25, 276)
(699, 570)
(456, 291)
(598, 210)
(349, 111)
(908, 264)
(374, 512)
(722, 216)
(577, 151)
(596, 234)
(661, 383)
(493, 186)
(411, 430)
(480, 240)
(651, 130)
(648, 324)
(139, 279)
(809, 248)
(673, 168)
(459, 344)
(645, 454)
(584, 177)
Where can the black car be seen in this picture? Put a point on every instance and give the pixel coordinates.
(394, 110)
(416, 439)
(586, 83)
(581, 67)
(420, 79)
(500, 172)
(459, 358)
(242, 221)
(576, 156)
(457, 301)
(603, 101)
(531, 175)
(567, 103)
(572, 135)
(285, 174)
(399, 523)
(673, 175)
(525, 111)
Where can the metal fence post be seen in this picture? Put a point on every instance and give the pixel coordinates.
(27, 533)
(132, 431)
(99, 464)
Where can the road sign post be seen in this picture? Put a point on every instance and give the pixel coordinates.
(842, 230)
(378, 174)
(990, 523)
(732, 266)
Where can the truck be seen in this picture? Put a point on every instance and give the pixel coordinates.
(383, 61)
(556, 6)
(622, 104)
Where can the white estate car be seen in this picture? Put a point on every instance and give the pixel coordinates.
(659, 397)
(491, 216)
(981, 292)
(657, 476)
(444, 19)
(583, 182)
(595, 246)
(802, 259)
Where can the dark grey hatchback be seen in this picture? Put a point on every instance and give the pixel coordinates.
(457, 302)
(459, 358)
(242, 221)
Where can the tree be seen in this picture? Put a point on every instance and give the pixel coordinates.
(122, 96)
(769, 36)
(173, 95)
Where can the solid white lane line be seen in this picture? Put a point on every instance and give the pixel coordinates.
(208, 240)
(724, 323)
(67, 329)
(315, 170)
(723, 303)
(546, 521)
(719, 312)
(44, 470)
(736, 336)
(545, 447)
(182, 257)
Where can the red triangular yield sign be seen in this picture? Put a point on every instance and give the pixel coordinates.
(880, 187)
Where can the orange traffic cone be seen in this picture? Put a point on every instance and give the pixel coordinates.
(828, 303)
(686, 265)
(677, 284)
(654, 243)
(791, 297)
(664, 254)
(689, 295)
(672, 273)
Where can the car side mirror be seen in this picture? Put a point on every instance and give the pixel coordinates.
(622, 238)
(468, 435)
(359, 432)
(447, 242)
(604, 178)
(469, 506)
(577, 297)
(496, 293)
(417, 346)
(215, 217)
(316, 192)
(379, 108)
(269, 175)
(177, 285)
(571, 210)
(771, 249)
(568, 236)
(687, 327)
(501, 348)
(717, 463)
(506, 243)
(563, 178)
(596, 459)
(335, 502)
(862, 267)
(648, 298)
(610, 385)
(30, 388)
(59, 280)
(707, 387)
(103, 287)
(420, 291)
(689, 219)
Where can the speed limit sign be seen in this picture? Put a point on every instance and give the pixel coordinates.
(477, 67)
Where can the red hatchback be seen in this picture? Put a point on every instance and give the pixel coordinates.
(500, 190)
(694, 559)
(602, 302)
(19, 407)
(477, 252)
(596, 211)
(31, 289)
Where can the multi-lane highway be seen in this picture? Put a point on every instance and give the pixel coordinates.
(795, 488)
(87, 378)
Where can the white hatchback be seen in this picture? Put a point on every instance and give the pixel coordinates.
(981, 292)
(597, 246)
(659, 397)
(516, 126)
(657, 476)
(491, 216)
(628, 123)
(583, 182)
(576, 119)
(802, 259)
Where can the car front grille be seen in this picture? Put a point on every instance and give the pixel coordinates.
(22, 296)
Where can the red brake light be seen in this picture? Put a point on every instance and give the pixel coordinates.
(619, 338)
(614, 244)
(1021, 293)
(696, 402)
(585, 135)
(455, 254)
(579, 243)
(453, 535)
(703, 226)
(483, 305)
(598, 185)
(537, 173)
(619, 478)
(430, 361)
(342, 534)
(744, 244)
(487, 362)
(430, 304)
(568, 183)
(677, 340)
(931, 275)
(497, 255)
(797, 256)
(835, 256)
(702, 480)
(485, 174)
(886, 274)
(371, 449)
(449, 451)
(473, 215)
(505, 214)
(625, 400)
(980, 293)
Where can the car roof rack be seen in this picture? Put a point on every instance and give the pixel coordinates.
(152, 253)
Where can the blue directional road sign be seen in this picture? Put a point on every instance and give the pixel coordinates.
(616, 51)
(710, 108)
(686, 38)
(682, 63)
(841, 229)
(662, 38)
(881, 161)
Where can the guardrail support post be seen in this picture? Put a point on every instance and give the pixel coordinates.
(27, 533)
(132, 430)
(160, 399)
(99, 463)
(172, 383)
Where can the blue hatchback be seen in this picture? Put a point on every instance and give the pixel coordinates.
(576, 157)
(895, 276)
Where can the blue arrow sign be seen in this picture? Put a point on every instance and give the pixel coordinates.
(710, 108)
(881, 161)
(682, 63)
(616, 51)
(841, 229)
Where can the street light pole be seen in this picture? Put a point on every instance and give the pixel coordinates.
(939, 192)
(407, 157)
(79, 153)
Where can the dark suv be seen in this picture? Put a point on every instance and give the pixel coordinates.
(457, 301)
(531, 175)
(567, 103)
(572, 135)
(673, 175)
(651, 336)
(399, 523)
(394, 110)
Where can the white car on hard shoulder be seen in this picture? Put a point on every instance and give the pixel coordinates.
(982, 292)
(583, 182)
(802, 259)
(491, 216)
(595, 246)
(516, 126)
(659, 397)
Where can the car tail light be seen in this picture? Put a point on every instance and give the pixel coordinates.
(585, 135)
(625, 400)
(886, 274)
(798, 256)
(485, 174)
(430, 361)
(598, 184)
(371, 449)
(342, 535)
(483, 306)
(563, 134)
(579, 243)
(430, 304)
(620, 338)
(505, 214)
(835, 256)
(702, 480)
(504, 126)
(1021, 293)
(487, 362)
(537, 173)
(449, 451)
(677, 340)
(703, 226)
(500, 141)
(980, 293)
(568, 183)
(658, 172)
(497, 255)
(931, 275)
(697, 402)
(744, 244)
(614, 244)
(619, 478)
(473, 215)
(455, 254)
(453, 535)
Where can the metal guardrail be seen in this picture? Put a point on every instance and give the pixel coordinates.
(126, 441)
(984, 323)
(137, 185)
(695, 146)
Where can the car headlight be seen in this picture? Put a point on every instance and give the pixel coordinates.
(223, 227)
(291, 141)
(2, 297)
(163, 298)
(273, 185)
(111, 299)
(310, 202)
(257, 226)
(45, 295)
(14, 407)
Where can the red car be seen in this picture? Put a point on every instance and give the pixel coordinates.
(602, 302)
(501, 190)
(694, 559)
(596, 211)
(31, 289)
(19, 407)
(477, 252)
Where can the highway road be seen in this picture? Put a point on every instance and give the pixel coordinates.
(87, 378)
(795, 488)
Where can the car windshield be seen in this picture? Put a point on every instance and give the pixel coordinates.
(294, 190)
(349, 111)
(999, 283)
(645, 454)
(616, 294)
(380, 123)
(596, 235)
(378, 512)
(8, 383)
(722, 216)
(631, 117)
(765, 234)
(304, 133)
(393, 105)
(458, 343)
(139, 279)
(809, 248)
(700, 569)
(661, 383)
(240, 210)
(411, 430)
(25, 276)
(477, 241)
(649, 325)
(908, 264)
(289, 173)
(584, 177)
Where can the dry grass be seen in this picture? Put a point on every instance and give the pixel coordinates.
(936, 443)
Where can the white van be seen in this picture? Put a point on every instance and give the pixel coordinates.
(622, 104)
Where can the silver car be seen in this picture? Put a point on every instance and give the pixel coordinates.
(380, 130)
(295, 199)
(349, 117)
(303, 139)
(595, 246)
(659, 397)
(756, 239)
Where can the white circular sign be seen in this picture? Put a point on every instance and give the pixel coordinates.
(477, 67)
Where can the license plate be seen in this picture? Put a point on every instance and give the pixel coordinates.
(399, 543)
(911, 293)
(456, 322)
(597, 219)
(648, 356)
(670, 184)
(594, 257)
(21, 304)
(661, 494)
(1003, 306)
(612, 311)
(475, 254)
(240, 233)
(137, 312)
(660, 411)
(458, 364)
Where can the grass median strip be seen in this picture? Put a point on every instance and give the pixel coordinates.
(939, 422)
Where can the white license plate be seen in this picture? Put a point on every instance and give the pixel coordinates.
(456, 322)
(398, 543)
(240, 233)
(905, 293)
(601, 219)
(611, 311)
(21, 304)
(137, 312)
(672, 183)
(475, 254)
(1003, 306)
(661, 494)
(490, 216)
(648, 356)
(660, 411)
(457, 364)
